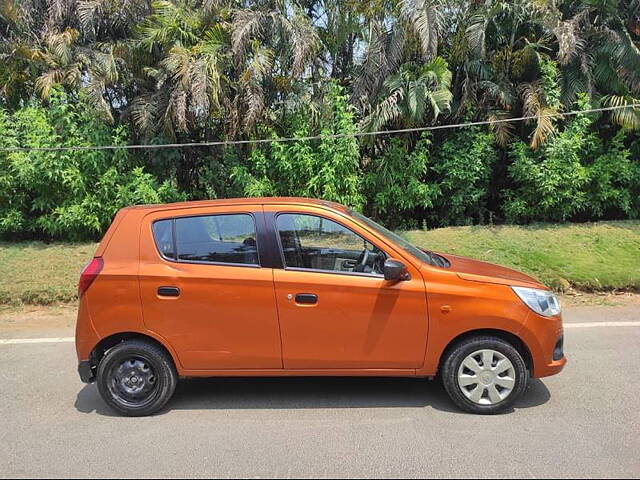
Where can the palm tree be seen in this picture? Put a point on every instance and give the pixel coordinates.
(183, 54)
(412, 96)
(273, 45)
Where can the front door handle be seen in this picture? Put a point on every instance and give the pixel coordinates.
(168, 291)
(307, 298)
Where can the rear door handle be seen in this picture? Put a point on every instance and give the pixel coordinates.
(307, 298)
(168, 291)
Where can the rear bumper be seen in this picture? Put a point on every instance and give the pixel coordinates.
(86, 372)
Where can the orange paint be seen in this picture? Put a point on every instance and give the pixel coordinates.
(229, 319)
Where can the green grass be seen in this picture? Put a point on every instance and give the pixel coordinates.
(593, 256)
(39, 273)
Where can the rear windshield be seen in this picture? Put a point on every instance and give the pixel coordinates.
(227, 238)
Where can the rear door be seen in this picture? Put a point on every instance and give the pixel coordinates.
(204, 289)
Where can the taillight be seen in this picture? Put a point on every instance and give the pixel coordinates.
(89, 274)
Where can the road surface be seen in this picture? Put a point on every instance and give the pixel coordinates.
(584, 422)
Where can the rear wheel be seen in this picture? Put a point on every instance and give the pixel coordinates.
(136, 378)
(484, 375)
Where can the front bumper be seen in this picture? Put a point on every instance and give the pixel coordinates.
(551, 368)
(86, 372)
(545, 338)
(558, 360)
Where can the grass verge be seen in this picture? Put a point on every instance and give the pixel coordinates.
(602, 256)
(41, 274)
(591, 256)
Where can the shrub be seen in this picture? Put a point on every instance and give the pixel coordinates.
(394, 183)
(549, 183)
(67, 194)
(612, 179)
(462, 167)
(575, 175)
(327, 168)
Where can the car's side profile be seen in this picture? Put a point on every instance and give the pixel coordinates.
(290, 286)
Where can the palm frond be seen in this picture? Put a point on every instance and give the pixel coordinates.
(475, 34)
(625, 117)
(247, 23)
(385, 112)
(544, 127)
(46, 81)
(144, 112)
(503, 131)
(304, 41)
(424, 18)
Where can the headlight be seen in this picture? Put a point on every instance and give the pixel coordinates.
(543, 302)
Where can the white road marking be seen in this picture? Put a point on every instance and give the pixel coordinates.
(22, 341)
(18, 341)
(601, 324)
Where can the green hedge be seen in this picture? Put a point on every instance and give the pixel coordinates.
(461, 178)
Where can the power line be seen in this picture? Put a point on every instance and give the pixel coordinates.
(312, 137)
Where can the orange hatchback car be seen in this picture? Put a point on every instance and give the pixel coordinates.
(293, 286)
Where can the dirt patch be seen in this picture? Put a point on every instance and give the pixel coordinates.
(37, 316)
(609, 299)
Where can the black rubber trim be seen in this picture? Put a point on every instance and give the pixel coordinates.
(86, 372)
(558, 351)
(268, 246)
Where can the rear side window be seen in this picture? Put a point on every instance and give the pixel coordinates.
(229, 238)
(163, 234)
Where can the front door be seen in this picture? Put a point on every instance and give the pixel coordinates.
(203, 288)
(336, 309)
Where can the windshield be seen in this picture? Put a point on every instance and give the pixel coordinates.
(406, 246)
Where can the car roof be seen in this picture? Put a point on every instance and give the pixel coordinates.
(244, 201)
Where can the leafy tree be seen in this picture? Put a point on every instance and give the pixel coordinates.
(165, 71)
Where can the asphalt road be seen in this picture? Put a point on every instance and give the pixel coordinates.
(583, 423)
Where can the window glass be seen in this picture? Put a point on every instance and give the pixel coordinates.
(163, 235)
(317, 243)
(217, 238)
(422, 255)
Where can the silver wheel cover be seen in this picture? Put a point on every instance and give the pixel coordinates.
(486, 377)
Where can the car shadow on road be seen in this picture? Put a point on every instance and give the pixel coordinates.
(308, 393)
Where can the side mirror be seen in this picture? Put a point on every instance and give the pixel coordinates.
(395, 270)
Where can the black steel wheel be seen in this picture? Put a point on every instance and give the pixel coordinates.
(136, 378)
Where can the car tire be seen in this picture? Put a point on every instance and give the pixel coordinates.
(484, 375)
(136, 378)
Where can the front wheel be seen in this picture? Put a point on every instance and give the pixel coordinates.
(136, 378)
(484, 375)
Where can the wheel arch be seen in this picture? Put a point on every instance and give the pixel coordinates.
(508, 337)
(110, 341)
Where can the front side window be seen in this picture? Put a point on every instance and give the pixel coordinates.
(317, 243)
(227, 238)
